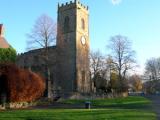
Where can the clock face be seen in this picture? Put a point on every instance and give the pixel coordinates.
(83, 40)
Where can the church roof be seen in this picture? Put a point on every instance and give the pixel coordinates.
(3, 42)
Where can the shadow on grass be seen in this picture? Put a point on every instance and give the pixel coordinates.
(125, 106)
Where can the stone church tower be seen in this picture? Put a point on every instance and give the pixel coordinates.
(69, 59)
(73, 47)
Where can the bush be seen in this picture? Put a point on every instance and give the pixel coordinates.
(7, 55)
(20, 85)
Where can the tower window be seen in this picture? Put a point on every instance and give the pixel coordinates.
(82, 24)
(66, 24)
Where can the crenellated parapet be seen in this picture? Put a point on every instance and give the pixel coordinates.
(72, 4)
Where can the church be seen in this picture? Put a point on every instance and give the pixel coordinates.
(69, 59)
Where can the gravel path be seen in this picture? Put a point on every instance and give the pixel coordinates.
(156, 104)
(59, 106)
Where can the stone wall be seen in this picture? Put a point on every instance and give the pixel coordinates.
(35, 61)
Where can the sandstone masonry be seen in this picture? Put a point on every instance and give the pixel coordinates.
(69, 59)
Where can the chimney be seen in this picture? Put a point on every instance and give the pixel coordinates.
(1, 30)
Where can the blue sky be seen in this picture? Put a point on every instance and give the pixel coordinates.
(139, 20)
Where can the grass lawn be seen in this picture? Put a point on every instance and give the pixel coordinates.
(132, 102)
(131, 108)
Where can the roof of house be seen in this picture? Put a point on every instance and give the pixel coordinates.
(3, 42)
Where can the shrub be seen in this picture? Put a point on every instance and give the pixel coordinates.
(7, 55)
(20, 85)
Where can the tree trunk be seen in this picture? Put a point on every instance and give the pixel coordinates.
(48, 76)
(49, 87)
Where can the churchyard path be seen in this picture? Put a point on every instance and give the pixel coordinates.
(155, 104)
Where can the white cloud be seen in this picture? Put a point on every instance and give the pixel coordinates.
(116, 2)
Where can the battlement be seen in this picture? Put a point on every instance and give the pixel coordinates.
(72, 4)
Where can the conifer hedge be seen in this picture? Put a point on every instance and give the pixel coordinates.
(7, 55)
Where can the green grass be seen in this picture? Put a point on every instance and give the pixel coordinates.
(107, 109)
(128, 102)
(82, 114)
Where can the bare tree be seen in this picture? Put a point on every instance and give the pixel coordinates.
(96, 62)
(135, 83)
(152, 69)
(98, 70)
(43, 35)
(101, 69)
(152, 73)
(123, 56)
(110, 66)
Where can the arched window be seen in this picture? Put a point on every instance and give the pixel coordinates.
(66, 24)
(82, 24)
